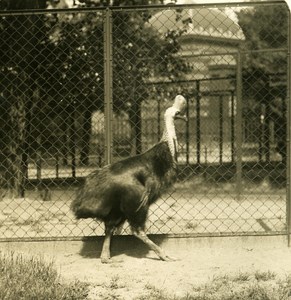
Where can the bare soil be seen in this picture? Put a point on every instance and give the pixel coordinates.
(134, 270)
(179, 212)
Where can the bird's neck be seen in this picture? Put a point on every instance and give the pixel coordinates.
(169, 134)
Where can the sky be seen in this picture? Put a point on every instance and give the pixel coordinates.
(207, 1)
(219, 1)
(214, 1)
(229, 11)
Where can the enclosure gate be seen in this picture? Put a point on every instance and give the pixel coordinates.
(85, 87)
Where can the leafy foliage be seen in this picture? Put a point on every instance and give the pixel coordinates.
(22, 41)
(139, 53)
(265, 28)
(265, 71)
(52, 73)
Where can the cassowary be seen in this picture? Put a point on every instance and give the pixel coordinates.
(124, 190)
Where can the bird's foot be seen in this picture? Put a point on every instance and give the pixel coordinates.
(105, 259)
(168, 258)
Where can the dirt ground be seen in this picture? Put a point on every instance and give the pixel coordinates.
(134, 269)
(181, 212)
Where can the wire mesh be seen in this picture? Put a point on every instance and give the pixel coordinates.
(60, 123)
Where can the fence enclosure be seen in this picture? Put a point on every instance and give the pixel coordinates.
(86, 87)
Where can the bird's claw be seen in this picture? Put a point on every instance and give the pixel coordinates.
(105, 259)
(169, 258)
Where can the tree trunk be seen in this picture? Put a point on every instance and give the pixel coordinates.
(15, 148)
(135, 125)
(135, 116)
(85, 137)
(20, 42)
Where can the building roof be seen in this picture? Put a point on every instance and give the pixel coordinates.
(207, 22)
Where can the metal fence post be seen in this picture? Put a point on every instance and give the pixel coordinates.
(220, 126)
(187, 133)
(232, 127)
(198, 123)
(238, 128)
(288, 182)
(108, 99)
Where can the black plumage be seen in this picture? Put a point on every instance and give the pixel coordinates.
(124, 191)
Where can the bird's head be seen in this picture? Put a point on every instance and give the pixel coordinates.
(176, 111)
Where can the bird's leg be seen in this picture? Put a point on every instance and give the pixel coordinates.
(158, 250)
(105, 254)
(118, 228)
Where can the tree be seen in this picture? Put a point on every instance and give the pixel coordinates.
(139, 53)
(52, 67)
(22, 40)
(265, 28)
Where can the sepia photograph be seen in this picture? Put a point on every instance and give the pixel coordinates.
(145, 150)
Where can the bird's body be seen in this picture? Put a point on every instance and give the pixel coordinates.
(126, 185)
(124, 191)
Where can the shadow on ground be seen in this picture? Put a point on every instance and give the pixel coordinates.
(127, 245)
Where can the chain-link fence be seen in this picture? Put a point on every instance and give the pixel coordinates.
(84, 88)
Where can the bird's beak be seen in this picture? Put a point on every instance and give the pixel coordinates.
(184, 118)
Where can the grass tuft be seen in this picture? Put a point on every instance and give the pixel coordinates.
(243, 286)
(33, 278)
(153, 293)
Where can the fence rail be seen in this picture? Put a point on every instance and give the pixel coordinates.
(81, 88)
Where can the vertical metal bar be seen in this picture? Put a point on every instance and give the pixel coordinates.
(288, 185)
(187, 134)
(220, 128)
(57, 165)
(268, 134)
(262, 132)
(159, 119)
(232, 124)
(198, 129)
(108, 102)
(72, 138)
(239, 125)
(38, 166)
